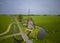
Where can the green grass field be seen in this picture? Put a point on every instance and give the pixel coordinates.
(50, 23)
(4, 23)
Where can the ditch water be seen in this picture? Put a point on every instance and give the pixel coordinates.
(16, 40)
(40, 36)
(42, 33)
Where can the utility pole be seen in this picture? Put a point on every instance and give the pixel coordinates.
(28, 12)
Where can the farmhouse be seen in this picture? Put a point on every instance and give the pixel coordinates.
(30, 24)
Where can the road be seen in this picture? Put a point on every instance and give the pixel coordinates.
(24, 36)
(41, 34)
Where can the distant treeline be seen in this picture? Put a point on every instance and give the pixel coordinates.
(31, 14)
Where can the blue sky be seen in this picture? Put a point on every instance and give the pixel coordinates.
(35, 6)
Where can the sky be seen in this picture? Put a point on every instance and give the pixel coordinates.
(35, 6)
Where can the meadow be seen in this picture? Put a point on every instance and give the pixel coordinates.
(51, 24)
(5, 20)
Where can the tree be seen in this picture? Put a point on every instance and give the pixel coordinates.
(20, 18)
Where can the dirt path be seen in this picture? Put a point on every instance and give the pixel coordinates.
(24, 36)
(9, 36)
(6, 30)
